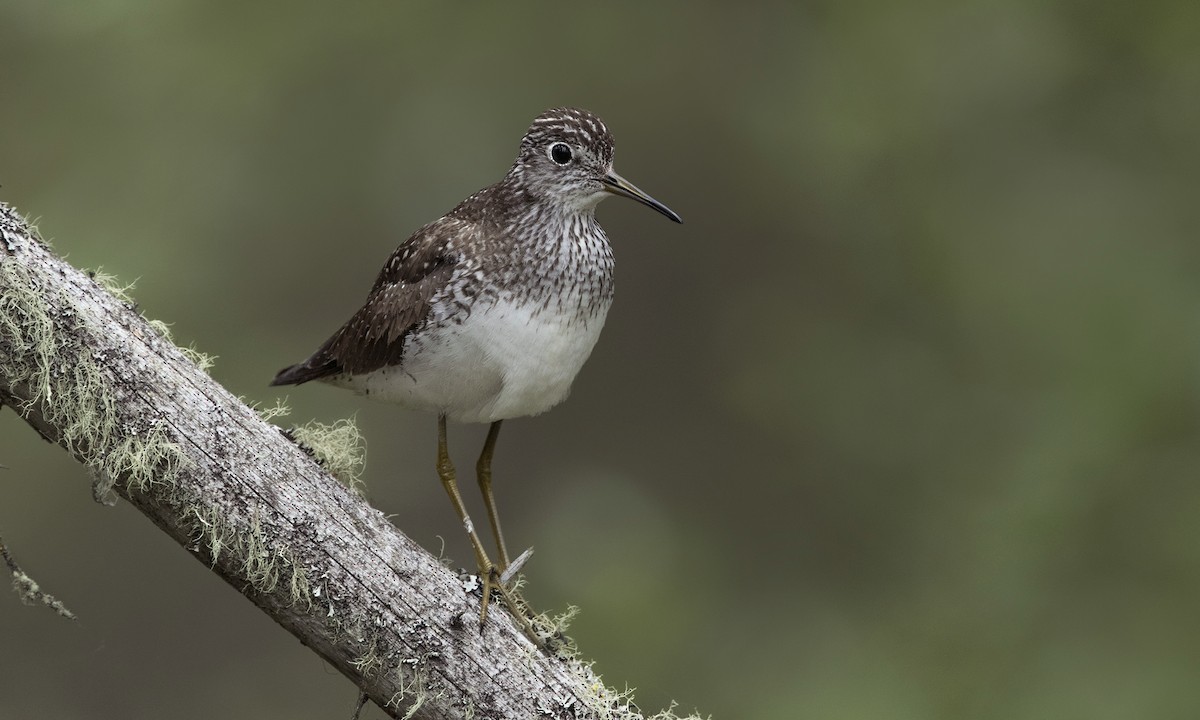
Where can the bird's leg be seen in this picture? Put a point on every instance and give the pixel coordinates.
(445, 471)
(483, 471)
(487, 570)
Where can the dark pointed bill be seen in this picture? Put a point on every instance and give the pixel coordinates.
(618, 185)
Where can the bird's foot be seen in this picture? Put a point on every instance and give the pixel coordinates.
(504, 584)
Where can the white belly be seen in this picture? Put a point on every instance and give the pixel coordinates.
(503, 361)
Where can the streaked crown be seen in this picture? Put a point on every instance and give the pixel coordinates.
(573, 126)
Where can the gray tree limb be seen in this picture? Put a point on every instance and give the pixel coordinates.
(85, 369)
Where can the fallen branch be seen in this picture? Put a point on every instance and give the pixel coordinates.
(86, 370)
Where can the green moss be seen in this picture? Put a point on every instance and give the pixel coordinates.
(260, 562)
(113, 286)
(147, 458)
(412, 679)
(339, 448)
(369, 661)
(265, 562)
(26, 322)
(269, 414)
(301, 594)
(73, 392)
(605, 702)
(609, 704)
(210, 530)
(552, 631)
(204, 361)
(124, 293)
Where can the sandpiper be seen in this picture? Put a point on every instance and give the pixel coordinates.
(488, 312)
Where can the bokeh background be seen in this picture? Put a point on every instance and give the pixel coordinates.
(901, 423)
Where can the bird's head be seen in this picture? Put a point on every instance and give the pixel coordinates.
(566, 157)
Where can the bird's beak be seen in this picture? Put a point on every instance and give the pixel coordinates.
(618, 185)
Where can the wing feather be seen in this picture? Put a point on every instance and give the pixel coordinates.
(399, 302)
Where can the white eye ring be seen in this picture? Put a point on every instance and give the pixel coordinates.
(560, 153)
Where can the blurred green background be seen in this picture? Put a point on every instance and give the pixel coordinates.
(902, 423)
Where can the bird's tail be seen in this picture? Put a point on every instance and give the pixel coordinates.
(305, 371)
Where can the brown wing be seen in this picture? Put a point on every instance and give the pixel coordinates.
(399, 301)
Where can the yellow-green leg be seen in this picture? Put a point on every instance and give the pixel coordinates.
(445, 470)
(487, 570)
(483, 471)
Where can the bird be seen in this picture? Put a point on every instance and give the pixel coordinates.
(489, 312)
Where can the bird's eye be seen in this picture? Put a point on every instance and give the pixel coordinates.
(560, 153)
